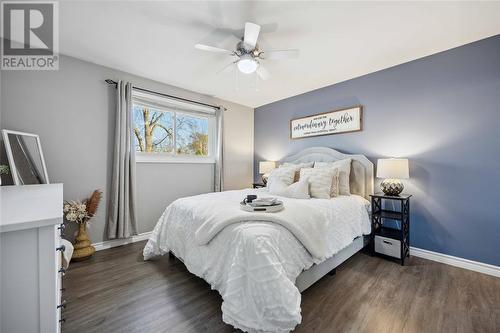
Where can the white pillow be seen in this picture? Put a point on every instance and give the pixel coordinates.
(284, 175)
(297, 167)
(320, 181)
(298, 190)
(344, 167)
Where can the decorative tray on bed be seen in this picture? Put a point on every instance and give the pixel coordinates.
(265, 205)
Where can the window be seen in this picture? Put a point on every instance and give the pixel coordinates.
(166, 130)
(154, 129)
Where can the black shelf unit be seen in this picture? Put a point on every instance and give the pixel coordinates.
(380, 214)
(389, 233)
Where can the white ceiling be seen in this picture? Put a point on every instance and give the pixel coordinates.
(338, 40)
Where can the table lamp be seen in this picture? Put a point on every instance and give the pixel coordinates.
(392, 170)
(264, 168)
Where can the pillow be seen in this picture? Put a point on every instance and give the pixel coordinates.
(320, 181)
(334, 192)
(297, 167)
(284, 175)
(344, 167)
(298, 190)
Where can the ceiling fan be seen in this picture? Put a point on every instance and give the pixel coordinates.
(248, 55)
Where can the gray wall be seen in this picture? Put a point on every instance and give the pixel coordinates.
(443, 113)
(72, 110)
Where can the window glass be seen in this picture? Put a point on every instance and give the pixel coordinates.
(191, 135)
(166, 130)
(153, 129)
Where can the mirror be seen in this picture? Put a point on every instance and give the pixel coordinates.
(25, 156)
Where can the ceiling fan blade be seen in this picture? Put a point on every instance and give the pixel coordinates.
(264, 28)
(209, 48)
(263, 73)
(251, 34)
(225, 68)
(281, 54)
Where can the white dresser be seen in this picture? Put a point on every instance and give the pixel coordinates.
(30, 258)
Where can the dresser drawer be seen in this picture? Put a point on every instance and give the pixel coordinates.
(388, 246)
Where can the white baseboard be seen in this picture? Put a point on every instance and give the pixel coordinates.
(119, 242)
(456, 261)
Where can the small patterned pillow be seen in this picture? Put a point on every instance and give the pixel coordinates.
(284, 175)
(297, 167)
(320, 181)
(334, 192)
(344, 171)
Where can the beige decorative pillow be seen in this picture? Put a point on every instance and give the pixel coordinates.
(297, 167)
(320, 181)
(284, 175)
(344, 171)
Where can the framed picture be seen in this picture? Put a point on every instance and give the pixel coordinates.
(332, 122)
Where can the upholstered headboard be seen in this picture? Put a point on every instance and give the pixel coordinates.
(361, 178)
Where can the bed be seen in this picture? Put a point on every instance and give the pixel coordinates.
(259, 264)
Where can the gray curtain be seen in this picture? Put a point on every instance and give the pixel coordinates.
(122, 221)
(219, 157)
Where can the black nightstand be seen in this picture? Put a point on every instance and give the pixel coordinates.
(258, 185)
(386, 240)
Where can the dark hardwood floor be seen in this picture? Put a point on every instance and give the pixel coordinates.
(116, 291)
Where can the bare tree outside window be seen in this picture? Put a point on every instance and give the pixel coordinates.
(192, 135)
(154, 132)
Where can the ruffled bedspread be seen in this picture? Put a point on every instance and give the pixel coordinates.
(254, 264)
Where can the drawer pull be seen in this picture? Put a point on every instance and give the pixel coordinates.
(61, 248)
(387, 242)
(62, 270)
(61, 228)
(62, 320)
(62, 290)
(62, 305)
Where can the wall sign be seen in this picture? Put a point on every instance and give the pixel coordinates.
(333, 122)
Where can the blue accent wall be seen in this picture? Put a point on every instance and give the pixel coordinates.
(443, 113)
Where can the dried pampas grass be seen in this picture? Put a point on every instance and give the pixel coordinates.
(93, 202)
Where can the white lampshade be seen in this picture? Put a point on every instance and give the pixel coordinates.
(396, 168)
(266, 166)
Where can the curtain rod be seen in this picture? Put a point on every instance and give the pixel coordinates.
(109, 81)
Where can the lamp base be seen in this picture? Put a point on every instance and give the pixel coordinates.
(392, 187)
(264, 178)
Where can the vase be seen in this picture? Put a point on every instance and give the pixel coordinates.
(83, 248)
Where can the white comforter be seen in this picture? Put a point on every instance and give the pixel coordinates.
(307, 220)
(254, 264)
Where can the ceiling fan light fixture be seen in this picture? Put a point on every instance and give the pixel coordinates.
(247, 64)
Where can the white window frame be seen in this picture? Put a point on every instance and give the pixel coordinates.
(165, 104)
